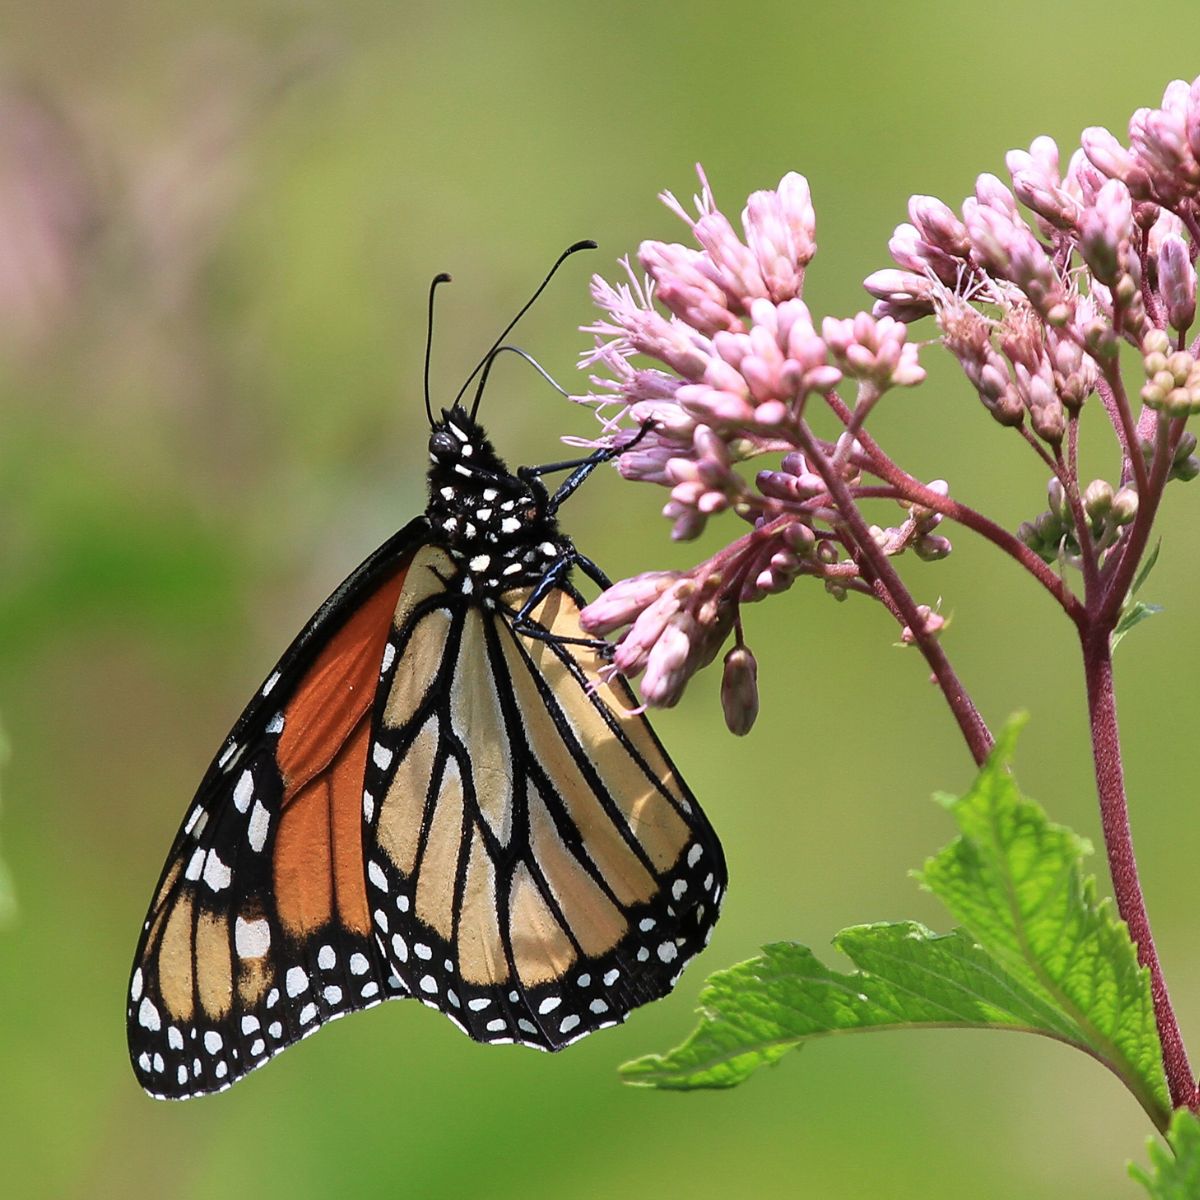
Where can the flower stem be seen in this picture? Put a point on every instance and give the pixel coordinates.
(880, 465)
(978, 737)
(1118, 842)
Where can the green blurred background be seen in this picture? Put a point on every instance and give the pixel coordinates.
(216, 232)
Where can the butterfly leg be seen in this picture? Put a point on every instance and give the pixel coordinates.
(551, 579)
(580, 469)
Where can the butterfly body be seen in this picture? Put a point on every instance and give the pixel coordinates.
(429, 797)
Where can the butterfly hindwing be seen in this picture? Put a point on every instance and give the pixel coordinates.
(259, 930)
(537, 867)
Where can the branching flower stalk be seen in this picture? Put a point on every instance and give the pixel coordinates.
(711, 359)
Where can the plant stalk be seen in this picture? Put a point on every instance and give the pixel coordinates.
(1118, 842)
(978, 737)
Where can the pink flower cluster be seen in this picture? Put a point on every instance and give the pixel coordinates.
(1034, 306)
(737, 357)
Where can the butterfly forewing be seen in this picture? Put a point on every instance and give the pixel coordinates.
(259, 930)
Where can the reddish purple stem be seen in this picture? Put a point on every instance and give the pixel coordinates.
(1118, 841)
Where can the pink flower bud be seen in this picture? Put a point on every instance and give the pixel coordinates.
(1037, 183)
(623, 602)
(1177, 282)
(779, 228)
(912, 252)
(938, 225)
(992, 193)
(1105, 231)
(902, 286)
(1192, 118)
(1083, 181)
(1106, 154)
(683, 287)
(634, 649)
(735, 266)
(714, 407)
(666, 664)
(739, 690)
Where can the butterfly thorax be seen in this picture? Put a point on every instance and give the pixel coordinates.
(496, 525)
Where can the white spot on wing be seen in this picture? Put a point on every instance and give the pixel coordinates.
(195, 864)
(266, 688)
(296, 981)
(216, 874)
(251, 939)
(382, 756)
(148, 1017)
(256, 831)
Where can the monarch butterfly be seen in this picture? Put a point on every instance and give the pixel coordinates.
(429, 797)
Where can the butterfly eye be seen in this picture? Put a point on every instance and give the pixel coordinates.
(443, 444)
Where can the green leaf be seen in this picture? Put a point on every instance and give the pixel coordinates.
(1147, 567)
(1176, 1175)
(1137, 611)
(1036, 952)
(1015, 881)
(1133, 614)
(909, 978)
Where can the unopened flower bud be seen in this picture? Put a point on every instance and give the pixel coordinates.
(1049, 421)
(1097, 499)
(1049, 527)
(1186, 469)
(739, 690)
(800, 538)
(1124, 505)
(931, 547)
(1177, 282)
(1180, 365)
(1157, 341)
(1057, 496)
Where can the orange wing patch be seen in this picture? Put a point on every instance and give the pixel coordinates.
(322, 753)
(327, 706)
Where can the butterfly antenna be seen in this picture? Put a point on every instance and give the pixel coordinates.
(441, 277)
(486, 360)
(533, 362)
